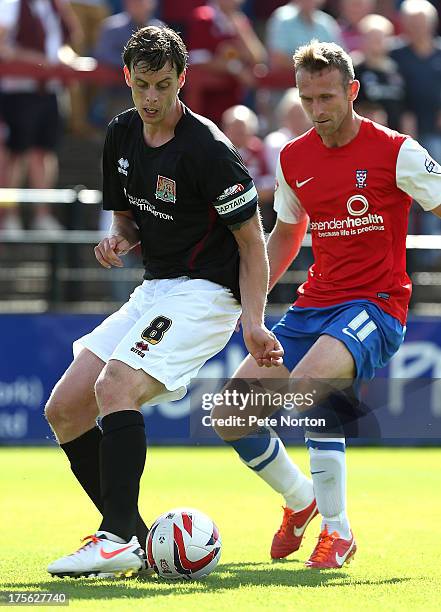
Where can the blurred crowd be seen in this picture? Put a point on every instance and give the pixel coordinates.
(395, 45)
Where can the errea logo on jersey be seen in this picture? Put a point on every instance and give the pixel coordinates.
(123, 164)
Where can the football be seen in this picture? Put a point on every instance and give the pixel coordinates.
(183, 543)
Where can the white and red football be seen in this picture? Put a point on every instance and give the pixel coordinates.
(183, 543)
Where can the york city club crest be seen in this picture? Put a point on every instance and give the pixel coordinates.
(361, 178)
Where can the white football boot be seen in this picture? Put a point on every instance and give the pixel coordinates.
(101, 557)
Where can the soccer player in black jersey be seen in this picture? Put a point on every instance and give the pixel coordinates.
(176, 185)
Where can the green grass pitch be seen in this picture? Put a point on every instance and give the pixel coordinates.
(394, 506)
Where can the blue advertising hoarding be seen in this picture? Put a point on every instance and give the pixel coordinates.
(36, 350)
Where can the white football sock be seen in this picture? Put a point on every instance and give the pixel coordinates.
(328, 470)
(283, 475)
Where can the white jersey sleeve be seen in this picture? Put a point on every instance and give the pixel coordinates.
(286, 203)
(418, 174)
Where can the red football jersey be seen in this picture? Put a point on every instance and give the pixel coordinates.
(357, 198)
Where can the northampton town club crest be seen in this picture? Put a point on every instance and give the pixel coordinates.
(165, 189)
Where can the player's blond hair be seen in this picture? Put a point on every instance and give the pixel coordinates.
(317, 56)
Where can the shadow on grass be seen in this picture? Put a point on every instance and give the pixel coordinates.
(229, 576)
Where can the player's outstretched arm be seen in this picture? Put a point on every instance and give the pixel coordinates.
(283, 246)
(253, 279)
(123, 235)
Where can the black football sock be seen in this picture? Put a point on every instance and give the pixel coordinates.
(83, 454)
(84, 457)
(122, 460)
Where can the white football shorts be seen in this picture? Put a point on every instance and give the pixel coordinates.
(169, 328)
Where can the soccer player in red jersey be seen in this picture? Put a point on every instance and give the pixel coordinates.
(353, 181)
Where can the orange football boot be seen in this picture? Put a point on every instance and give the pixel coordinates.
(289, 536)
(331, 551)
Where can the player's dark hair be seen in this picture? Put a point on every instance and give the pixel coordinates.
(153, 47)
(317, 56)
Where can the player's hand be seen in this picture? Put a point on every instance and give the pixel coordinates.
(107, 251)
(263, 345)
